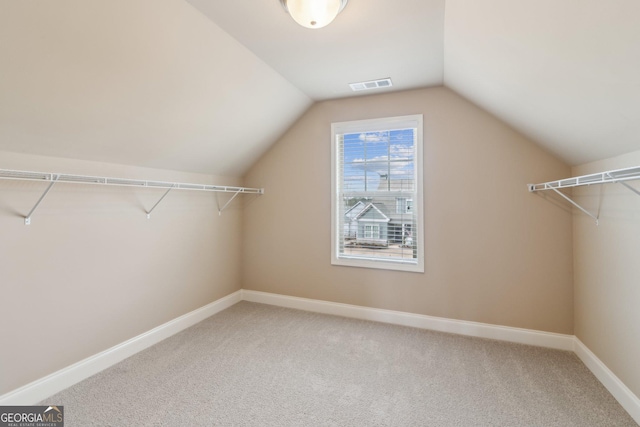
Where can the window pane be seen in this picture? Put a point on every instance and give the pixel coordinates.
(374, 217)
(375, 223)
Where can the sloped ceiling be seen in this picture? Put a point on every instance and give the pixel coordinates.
(370, 39)
(208, 85)
(564, 72)
(144, 82)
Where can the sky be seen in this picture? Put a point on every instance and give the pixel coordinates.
(376, 154)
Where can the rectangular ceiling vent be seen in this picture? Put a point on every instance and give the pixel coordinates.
(373, 84)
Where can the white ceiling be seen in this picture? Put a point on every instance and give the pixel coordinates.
(144, 82)
(370, 39)
(564, 72)
(208, 85)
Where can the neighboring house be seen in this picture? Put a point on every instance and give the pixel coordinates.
(351, 222)
(369, 222)
(384, 219)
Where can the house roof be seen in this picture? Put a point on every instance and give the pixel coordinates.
(355, 210)
(208, 86)
(372, 212)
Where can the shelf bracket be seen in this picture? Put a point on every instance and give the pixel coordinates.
(619, 176)
(158, 202)
(567, 198)
(630, 187)
(54, 178)
(228, 202)
(27, 219)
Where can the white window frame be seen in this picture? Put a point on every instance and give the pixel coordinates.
(373, 125)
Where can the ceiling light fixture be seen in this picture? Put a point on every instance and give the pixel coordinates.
(313, 13)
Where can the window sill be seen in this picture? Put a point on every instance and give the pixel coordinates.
(412, 266)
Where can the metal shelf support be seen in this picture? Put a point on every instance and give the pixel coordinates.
(54, 178)
(228, 202)
(630, 188)
(577, 205)
(619, 176)
(158, 202)
(27, 219)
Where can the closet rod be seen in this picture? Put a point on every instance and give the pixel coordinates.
(618, 175)
(54, 178)
(613, 176)
(87, 179)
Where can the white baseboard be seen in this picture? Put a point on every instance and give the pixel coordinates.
(474, 329)
(64, 378)
(41, 389)
(627, 399)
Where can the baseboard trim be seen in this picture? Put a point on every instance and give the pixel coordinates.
(627, 399)
(460, 327)
(41, 389)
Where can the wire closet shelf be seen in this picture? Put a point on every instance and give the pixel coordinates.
(620, 176)
(53, 178)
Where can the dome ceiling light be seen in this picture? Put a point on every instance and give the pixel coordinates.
(313, 13)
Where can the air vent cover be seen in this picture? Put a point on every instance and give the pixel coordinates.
(373, 84)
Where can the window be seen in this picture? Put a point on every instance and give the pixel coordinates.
(403, 205)
(376, 177)
(371, 231)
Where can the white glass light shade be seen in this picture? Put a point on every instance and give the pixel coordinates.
(314, 13)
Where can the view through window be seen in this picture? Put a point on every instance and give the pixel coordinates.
(376, 222)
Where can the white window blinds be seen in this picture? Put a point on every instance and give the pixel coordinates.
(376, 168)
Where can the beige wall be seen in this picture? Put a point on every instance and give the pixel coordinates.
(607, 271)
(91, 271)
(494, 252)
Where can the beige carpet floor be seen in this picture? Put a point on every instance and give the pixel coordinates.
(258, 365)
